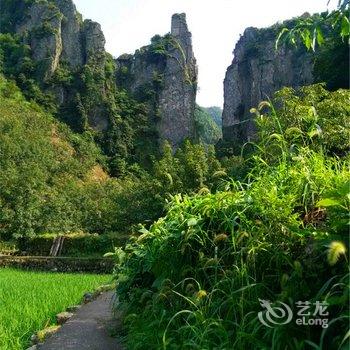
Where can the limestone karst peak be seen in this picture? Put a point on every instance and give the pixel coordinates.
(179, 30)
(178, 24)
(171, 61)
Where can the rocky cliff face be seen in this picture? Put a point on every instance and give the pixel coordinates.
(57, 34)
(70, 63)
(257, 71)
(178, 96)
(41, 30)
(164, 74)
(68, 55)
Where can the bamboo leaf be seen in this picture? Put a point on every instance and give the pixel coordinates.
(328, 202)
(307, 38)
(345, 27)
(347, 336)
(280, 35)
(320, 38)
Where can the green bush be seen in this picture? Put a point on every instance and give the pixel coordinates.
(309, 117)
(98, 265)
(45, 171)
(199, 272)
(78, 244)
(193, 280)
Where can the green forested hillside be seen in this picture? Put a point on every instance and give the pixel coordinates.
(90, 97)
(54, 180)
(45, 168)
(207, 128)
(216, 113)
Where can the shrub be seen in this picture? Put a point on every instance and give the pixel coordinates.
(237, 246)
(59, 264)
(44, 170)
(79, 244)
(198, 273)
(309, 117)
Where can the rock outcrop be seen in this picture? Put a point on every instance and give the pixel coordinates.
(41, 30)
(56, 33)
(164, 74)
(71, 34)
(60, 41)
(83, 85)
(257, 71)
(178, 96)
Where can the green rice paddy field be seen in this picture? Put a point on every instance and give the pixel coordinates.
(30, 300)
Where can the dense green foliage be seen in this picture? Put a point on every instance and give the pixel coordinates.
(43, 169)
(132, 137)
(313, 30)
(216, 114)
(208, 131)
(55, 181)
(11, 12)
(311, 117)
(193, 280)
(16, 64)
(26, 310)
(77, 244)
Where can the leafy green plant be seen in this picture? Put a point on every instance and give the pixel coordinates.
(310, 30)
(310, 117)
(198, 273)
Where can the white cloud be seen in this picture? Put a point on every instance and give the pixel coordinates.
(215, 26)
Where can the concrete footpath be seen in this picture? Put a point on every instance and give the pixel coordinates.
(88, 329)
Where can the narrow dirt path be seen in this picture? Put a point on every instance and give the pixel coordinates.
(88, 329)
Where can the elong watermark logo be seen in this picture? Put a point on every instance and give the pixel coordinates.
(308, 314)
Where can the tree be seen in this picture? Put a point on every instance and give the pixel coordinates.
(313, 30)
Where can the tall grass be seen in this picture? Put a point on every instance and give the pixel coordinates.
(199, 272)
(194, 279)
(30, 300)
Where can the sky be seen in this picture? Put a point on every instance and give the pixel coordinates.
(215, 25)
